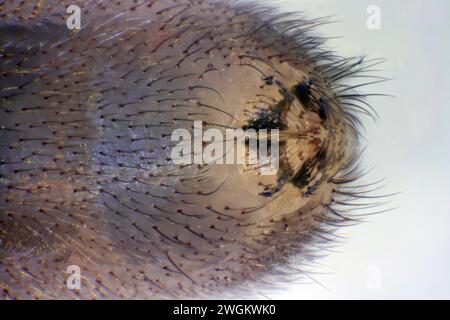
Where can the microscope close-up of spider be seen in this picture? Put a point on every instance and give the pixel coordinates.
(215, 149)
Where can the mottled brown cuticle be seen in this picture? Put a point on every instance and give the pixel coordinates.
(86, 118)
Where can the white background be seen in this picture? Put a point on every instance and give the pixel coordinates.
(409, 146)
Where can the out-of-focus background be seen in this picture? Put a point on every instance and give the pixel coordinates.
(405, 253)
